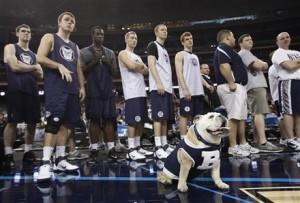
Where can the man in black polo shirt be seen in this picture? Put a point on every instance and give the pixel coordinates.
(231, 76)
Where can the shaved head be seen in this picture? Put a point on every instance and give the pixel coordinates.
(283, 40)
(281, 35)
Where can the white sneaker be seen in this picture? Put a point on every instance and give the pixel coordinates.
(64, 166)
(297, 139)
(44, 173)
(293, 145)
(134, 155)
(249, 148)
(237, 151)
(144, 152)
(160, 153)
(283, 142)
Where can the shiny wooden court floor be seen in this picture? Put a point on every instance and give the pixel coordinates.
(262, 178)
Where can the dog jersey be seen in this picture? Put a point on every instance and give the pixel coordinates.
(202, 158)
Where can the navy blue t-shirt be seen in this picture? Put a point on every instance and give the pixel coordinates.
(99, 78)
(67, 55)
(226, 54)
(25, 81)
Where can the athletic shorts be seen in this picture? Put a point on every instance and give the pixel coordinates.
(64, 106)
(136, 110)
(99, 109)
(23, 107)
(289, 97)
(192, 107)
(162, 106)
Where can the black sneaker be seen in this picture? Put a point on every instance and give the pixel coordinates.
(112, 153)
(9, 162)
(29, 157)
(93, 157)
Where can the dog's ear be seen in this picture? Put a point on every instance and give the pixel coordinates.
(196, 118)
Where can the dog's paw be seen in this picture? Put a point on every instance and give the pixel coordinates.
(222, 185)
(182, 187)
(164, 179)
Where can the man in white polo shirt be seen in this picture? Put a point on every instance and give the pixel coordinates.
(287, 62)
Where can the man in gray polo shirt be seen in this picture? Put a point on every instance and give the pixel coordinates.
(256, 93)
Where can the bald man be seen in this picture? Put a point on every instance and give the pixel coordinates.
(287, 62)
(211, 100)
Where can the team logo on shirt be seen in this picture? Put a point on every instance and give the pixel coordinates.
(194, 62)
(187, 109)
(137, 118)
(160, 114)
(66, 53)
(166, 58)
(26, 58)
(293, 56)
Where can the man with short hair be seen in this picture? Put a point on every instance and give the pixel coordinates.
(23, 104)
(231, 76)
(287, 63)
(64, 89)
(256, 93)
(161, 89)
(132, 71)
(190, 83)
(99, 65)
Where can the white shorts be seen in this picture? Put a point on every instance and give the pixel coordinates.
(234, 102)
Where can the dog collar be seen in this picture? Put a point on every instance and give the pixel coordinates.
(200, 138)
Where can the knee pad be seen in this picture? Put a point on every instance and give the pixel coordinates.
(53, 124)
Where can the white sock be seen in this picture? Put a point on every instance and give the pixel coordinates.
(27, 147)
(164, 140)
(182, 137)
(137, 141)
(157, 141)
(131, 142)
(60, 151)
(8, 150)
(94, 146)
(290, 140)
(110, 145)
(47, 152)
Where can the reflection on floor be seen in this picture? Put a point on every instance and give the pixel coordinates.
(274, 194)
(262, 178)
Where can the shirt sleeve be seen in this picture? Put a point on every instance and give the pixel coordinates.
(152, 50)
(247, 57)
(279, 57)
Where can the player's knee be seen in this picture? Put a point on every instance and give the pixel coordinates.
(53, 124)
